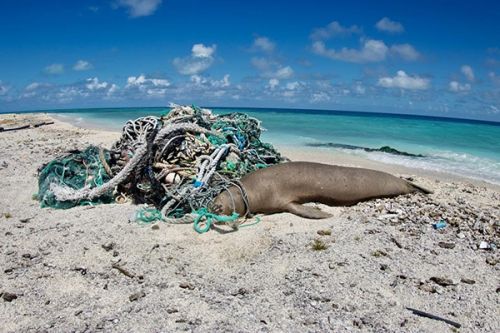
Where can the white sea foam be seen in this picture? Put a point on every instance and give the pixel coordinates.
(461, 164)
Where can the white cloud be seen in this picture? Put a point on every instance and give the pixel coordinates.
(334, 29)
(272, 69)
(33, 86)
(141, 81)
(388, 25)
(147, 87)
(494, 109)
(82, 65)
(67, 94)
(359, 88)
(404, 81)
(264, 44)
(458, 87)
(319, 97)
(91, 89)
(187, 66)
(94, 84)
(202, 51)
(371, 51)
(138, 8)
(283, 73)
(201, 81)
(3, 89)
(468, 72)
(292, 85)
(273, 83)
(35, 89)
(54, 69)
(200, 60)
(222, 83)
(405, 51)
(495, 79)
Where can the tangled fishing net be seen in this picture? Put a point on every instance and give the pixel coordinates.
(178, 163)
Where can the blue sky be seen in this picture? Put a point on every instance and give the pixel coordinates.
(439, 58)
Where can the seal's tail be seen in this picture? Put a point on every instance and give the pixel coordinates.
(420, 188)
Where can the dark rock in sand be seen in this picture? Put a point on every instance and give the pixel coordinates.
(136, 296)
(9, 297)
(443, 281)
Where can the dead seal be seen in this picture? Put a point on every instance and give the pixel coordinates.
(285, 187)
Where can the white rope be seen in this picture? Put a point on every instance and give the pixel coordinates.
(65, 193)
(208, 164)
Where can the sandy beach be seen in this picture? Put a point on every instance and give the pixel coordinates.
(89, 269)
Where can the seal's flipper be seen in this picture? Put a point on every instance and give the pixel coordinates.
(307, 212)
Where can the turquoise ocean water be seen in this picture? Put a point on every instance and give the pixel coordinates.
(461, 147)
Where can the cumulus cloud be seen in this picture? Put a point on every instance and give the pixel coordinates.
(202, 51)
(334, 29)
(359, 88)
(283, 73)
(264, 44)
(272, 69)
(293, 85)
(495, 79)
(493, 109)
(404, 81)
(201, 81)
(33, 86)
(201, 59)
(405, 51)
(388, 25)
(141, 81)
(89, 89)
(468, 72)
(94, 84)
(3, 89)
(273, 83)
(319, 97)
(147, 87)
(82, 65)
(138, 8)
(34, 89)
(455, 86)
(54, 69)
(370, 51)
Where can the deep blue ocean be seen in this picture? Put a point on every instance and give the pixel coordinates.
(464, 147)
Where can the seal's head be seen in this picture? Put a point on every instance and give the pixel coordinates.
(217, 206)
(227, 203)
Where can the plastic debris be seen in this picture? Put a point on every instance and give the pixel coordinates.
(439, 225)
(484, 245)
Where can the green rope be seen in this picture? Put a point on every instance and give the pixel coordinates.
(211, 218)
(257, 221)
(147, 215)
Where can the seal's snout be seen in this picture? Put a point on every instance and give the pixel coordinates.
(217, 206)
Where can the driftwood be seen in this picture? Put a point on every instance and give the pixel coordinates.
(2, 129)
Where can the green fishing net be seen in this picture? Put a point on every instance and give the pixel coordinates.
(76, 170)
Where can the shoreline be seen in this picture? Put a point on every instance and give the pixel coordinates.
(313, 154)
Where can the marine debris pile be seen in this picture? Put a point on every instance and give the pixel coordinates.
(178, 163)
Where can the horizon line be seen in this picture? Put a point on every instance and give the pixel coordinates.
(318, 111)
